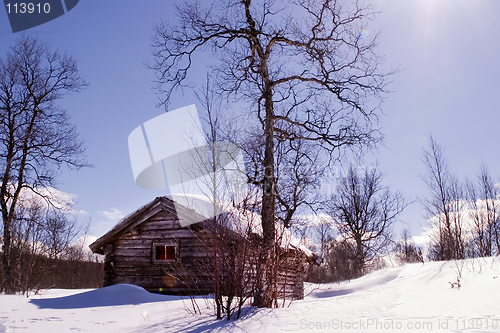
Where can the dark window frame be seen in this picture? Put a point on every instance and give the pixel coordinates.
(167, 246)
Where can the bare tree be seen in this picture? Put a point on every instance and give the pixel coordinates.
(407, 249)
(41, 237)
(232, 254)
(339, 257)
(324, 233)
(444, 205)
(303, 65)
(299, 166)
(484, 210)
(27, 244)
(364, 212)
(60, 230)
(37, 138)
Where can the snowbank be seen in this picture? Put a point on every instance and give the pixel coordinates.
(121, 294)
(412, 298)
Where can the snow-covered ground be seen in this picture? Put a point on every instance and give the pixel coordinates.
(412, 298)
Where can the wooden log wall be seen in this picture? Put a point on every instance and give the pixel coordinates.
(290, 276)
(133, 252)
(130, 260)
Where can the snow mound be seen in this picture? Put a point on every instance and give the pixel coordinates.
(375, 279)
(116, 295)
(412, 298)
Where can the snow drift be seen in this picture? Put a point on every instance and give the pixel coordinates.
(413, 298)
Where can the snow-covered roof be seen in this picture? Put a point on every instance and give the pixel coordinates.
(241, 221)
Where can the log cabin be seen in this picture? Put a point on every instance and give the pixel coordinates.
(150, 248)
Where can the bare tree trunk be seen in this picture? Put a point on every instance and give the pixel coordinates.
(217, 277)
(267, 265)
(360, 262)
(264, 297)
(7, 273)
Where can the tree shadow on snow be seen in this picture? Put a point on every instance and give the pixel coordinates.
(202, 325)
(362, 284)
(116, 295)
(334, 293)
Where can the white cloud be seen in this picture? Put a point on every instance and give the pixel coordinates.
(83, 242)
(114, 214)
(422, 240)
(466, 217)
(314, 220)
(41, 195)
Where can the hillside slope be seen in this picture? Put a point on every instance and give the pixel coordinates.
(414, 298)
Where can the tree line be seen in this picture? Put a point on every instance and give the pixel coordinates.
(463, 220)
(37, 140)
(464, 215)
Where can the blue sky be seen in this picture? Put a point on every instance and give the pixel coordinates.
(446, 51)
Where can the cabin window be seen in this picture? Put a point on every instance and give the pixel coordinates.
(165, 252)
